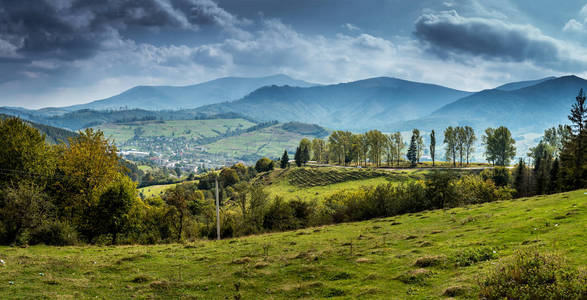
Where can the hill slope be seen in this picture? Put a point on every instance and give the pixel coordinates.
(192, 96)
(311, 263)
(361, 104)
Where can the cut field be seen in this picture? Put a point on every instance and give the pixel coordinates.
(269, 141)
(196, 129)
(316, 183)
(413, 256)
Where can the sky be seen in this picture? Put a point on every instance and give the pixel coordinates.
(64, 52)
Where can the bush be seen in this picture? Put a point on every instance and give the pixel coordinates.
(532, 275)
(471, 256)
(264, 164)
(54, 233)
(499, 175)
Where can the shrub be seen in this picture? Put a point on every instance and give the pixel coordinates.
(471, 256)
(499, 175)
(532, 275)
(54, 233)
(279, 216)
(264, 164)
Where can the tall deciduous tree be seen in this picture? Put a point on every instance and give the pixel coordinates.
(377, 142)
(500, 146)
(470, 139)
(461, 137)
(85, 168)
(318, 149)
(305, 146)
(450, 140)
(399, 146)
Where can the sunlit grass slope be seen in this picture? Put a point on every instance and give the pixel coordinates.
(371, 259)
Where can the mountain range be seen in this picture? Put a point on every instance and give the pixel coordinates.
(531, 108)
(191, 96)
(358, 105)
(383, 103)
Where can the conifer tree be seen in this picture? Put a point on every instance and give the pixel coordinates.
(413, 150)
(432, 146)
(284, 160)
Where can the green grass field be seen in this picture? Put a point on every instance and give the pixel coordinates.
(270, 142)
(180, 128)
(310, 263)
(158, 190)
(317, 183)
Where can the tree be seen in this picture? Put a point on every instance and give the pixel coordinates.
(399, 146)
(112, 214)
(578, 116)
(419, 146)
(543, 157)
(554, 183)
(298, 157)
(23, 207)
(573, 157)
(376, 141)
(521, 179)
(470, 139)
(500, 146)
(339, 146)
(23, 154)
(284, 162)
(318, 149)
(450, 139)
(390, 149)
(264, 165)
(305, 146)
(432, 146)
(228, 177)
(363, 147)
(85, 168)
(412, 154)
(460, 139)
(181, 197)
(305, 155)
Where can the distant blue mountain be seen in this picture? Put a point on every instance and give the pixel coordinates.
(531, 108)
(357, 105)
(522, 84)
(185, 97)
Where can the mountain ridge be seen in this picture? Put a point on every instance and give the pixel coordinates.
(165, 97)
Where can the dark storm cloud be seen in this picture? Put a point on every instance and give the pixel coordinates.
(448, 34)
(74, 29)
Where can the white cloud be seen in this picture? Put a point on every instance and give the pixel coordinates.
(574, 26)
(350, 27)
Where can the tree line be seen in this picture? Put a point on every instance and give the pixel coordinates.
(376, 148)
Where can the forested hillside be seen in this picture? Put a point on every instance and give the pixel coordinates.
(53, 135)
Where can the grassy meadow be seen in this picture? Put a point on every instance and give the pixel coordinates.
(269, 141)
(178, 128)
(413, 256)
(158, 190)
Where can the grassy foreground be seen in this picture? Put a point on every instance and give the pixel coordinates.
(311, 263)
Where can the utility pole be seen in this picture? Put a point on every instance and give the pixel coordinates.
(217, 212)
